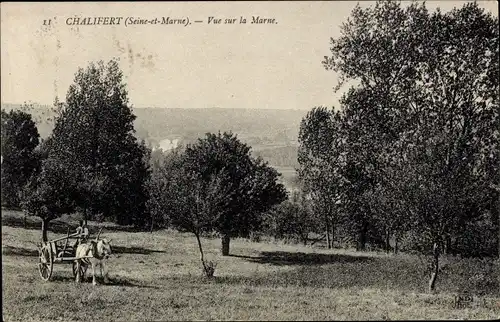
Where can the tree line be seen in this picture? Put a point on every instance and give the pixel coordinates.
(413, 152)
(93, 164)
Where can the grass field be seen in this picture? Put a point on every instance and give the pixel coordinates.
(158, 277)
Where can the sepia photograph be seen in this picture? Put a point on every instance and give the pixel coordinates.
(250, 160)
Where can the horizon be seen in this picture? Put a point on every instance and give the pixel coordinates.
(37, 104)
(240, 66)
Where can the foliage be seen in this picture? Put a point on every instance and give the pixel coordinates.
(48, 193)
(321, 159)
(94, 133)
(162, 170)
(419, 132)
(19, 159)
(214, 185)
(250, 183)
(293, 219)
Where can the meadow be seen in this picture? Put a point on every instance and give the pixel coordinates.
(157, 276)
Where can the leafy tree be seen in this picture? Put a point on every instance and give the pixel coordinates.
(249, 184)
(202, 201)
(292, 218)
(365, 147)
(162, 187)
(386, 200)
(432, 108)
(320, 159)
(19, 139)
(180, 198)
(48, 193)
(457, 119)
(94, 132)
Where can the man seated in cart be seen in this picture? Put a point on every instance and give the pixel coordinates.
(83, 233)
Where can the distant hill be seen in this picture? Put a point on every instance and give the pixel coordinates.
(254, 126)
(155, 124)
(43, 115)
(263, 129)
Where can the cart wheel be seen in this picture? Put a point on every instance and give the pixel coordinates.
(83, 270)
(45, 262)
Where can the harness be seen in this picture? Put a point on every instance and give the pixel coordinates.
(92, 251)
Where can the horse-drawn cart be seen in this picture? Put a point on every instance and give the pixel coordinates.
(54, 251)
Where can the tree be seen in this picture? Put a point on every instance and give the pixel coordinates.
(292, 218)
(180, 198)
(251, 182)
(48, 193)
(365, 147)
(202, 201)
(457, 118)
(320, 160)
(94, 132)
(433, 107)
(162, 187)
(387, 202)
(19, 139)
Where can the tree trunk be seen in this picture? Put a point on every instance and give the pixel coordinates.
(85, 216)
(435, 268)
(396, 239)
(361, 240)
(205, 269)
(447, 245)
(333, 234)
(360, 244)
(328, 245)
(225, 244)
(387, 241)
(495, 214)
(45, 226)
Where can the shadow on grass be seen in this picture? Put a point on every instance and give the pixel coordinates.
(62, 278)
(18, 251)
(134, 250)
(118, 281)
(31, 223)
(336, 276)
(115, 281)
(404, 274)
(292, 258)
(20, 222)
(17, 219)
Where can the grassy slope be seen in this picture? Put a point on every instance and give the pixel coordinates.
(158, 277)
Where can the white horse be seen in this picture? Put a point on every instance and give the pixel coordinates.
(94, 253)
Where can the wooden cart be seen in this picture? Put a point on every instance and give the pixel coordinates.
(55, 251)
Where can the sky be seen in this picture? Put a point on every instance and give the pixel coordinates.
(201, 65)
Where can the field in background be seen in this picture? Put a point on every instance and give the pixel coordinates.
(158, 277)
